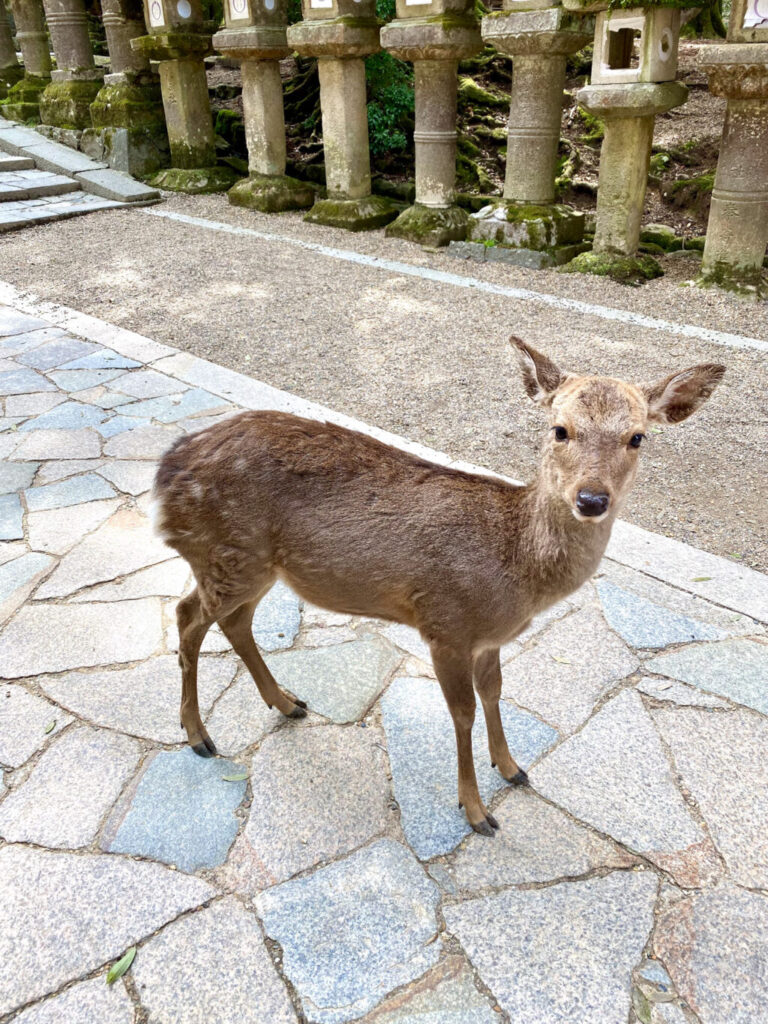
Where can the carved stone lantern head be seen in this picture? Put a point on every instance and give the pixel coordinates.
(636, 45)
(246, 13)
(316, 10)
(433, 8)
(748, 22)
(163, 16)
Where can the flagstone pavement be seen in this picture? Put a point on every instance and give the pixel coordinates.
(320, 870)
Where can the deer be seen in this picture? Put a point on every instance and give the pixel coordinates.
(360, 527)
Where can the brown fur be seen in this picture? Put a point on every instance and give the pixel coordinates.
(356, 526)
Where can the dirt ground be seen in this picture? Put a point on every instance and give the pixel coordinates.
(425, 359)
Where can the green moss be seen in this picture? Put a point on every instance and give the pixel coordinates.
(630, 270)
(467, 146)
(128, 106)
(595, 126)
(429, 226)
(272, 194)
(471, 92)
(662, 237)
(690, 192)
(231, 127)
(194, 180)
(746, 281)
(659, 163)
(353, 214)
(697, 242)
(68, 104)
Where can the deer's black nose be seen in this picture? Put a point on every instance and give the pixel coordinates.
(591, 504)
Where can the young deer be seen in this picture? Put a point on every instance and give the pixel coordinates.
(356, 526)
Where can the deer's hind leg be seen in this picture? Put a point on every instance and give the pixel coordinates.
(194, 622)
(487, 675)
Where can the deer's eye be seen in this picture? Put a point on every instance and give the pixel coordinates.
(634, 441)
(561, 434)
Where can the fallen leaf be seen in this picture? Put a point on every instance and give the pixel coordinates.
(50, 727)
(700, 579)
(235, 778)
(118, 970)
(563, 661)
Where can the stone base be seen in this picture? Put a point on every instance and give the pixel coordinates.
(194, 180)
(272, 193)
(527, 226)
(138, 152)
(353, 214)
(66, 136)
(9, 77)
(68, 104)
(430, 225)
(23, 101)
(632, 270)
(533, 259)
(747, 282)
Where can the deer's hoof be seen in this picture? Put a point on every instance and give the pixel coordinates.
(300, 711)
(519, 779)
(301, 703)
(491, 820)
(483, 828)
(206, 747)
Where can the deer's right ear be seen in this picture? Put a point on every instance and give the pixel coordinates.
(541, 376)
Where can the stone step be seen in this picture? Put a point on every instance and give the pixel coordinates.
(33, 184)
(16, 163)
(26, 213)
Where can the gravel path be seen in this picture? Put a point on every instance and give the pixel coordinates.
(420, 358)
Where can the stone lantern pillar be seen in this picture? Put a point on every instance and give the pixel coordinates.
(255, 34)
(633, 67)
(340, 33)
(434, 35)
(127, 114)
(23, 100)
(66, 101)
(538, 38)
(179, 39)
(737, 232)
(10, 69)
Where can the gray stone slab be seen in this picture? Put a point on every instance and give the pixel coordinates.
(408, 639)
(129, 476)
(614, 775)
(535, 843)
(66, 914)
(445, 995)
(713, 944)
(146, 384)
(21, 382)
(15, 477)
(70, 789)
(167, 579)
(120, 546)
(73, 491)
(574, 663)
(55, 352)
(18, 578)
(56, 530)
(32, 404)
(147, 443)
(58, 444)
(563, 953)
(340, 682)
(722, 762)
(52, 638)
(373, 913)
(11, 517)
(79, 380)
(212, 965)
(119, 424)
(422, 752)
(68, 416)
(12, 549)
(52, 156)
(171, 408)
(142, 700)
(193, 830)
(737, 669)
(101, 359)
(27, 722)
(679, 693)
(112, 184)
(241, 718)
(90, 1002)
(326, 636)
(334, 781)
(14, 322)
(60, 469)
(277, 619)
(101, 397)
(643, 624)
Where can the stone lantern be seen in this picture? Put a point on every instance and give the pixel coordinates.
(538, 35)
(10, 69)
(737, 232)
(434, 35)
(179, 39)
(66, 102)
(340, 33)
(23, 99)
(633, 71)
(255, 34)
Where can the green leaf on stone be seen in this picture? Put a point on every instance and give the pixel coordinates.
(700, 579)
(235, 778)
(118, 970)
(563, 661)
(50, 727)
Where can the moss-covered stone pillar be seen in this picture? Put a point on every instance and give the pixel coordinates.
(340, 33)
(23, 100)
(66, 102)
(434, 35)
(127, 114)
(179, 40)
(737, 233)
(10, 69)
(255, 35)
(538, 39)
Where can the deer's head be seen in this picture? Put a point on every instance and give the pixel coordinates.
(598, 425)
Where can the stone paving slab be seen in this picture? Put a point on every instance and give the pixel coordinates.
(90, 1002)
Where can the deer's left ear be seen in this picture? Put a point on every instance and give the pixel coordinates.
(679, 395)
(541, 377)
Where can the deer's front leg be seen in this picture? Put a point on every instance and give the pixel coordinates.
(487, 672)
(454, 672)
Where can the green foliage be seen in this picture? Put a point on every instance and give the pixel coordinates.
(213, 10)
(293, 11)
(390, 103)
(385, 9)
(595, 129)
